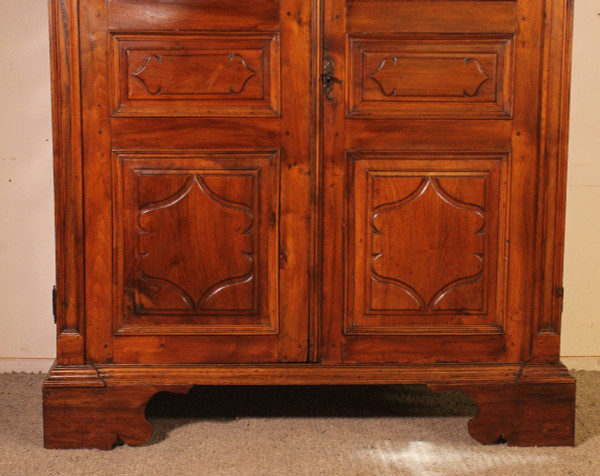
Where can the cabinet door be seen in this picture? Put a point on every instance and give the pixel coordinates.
(197, 180)
(430, 179)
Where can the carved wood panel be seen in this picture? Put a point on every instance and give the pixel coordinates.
(199, 242)
(196, 75)
(425, 243)
(193, 73)
(441, 77)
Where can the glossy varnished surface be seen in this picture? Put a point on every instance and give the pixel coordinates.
(429, 183)
(202, 231)
(201, 74)
(222, 220)
(87, 407)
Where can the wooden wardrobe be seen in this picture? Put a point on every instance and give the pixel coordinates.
(277, 192)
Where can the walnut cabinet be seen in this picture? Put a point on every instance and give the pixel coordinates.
(309, 192)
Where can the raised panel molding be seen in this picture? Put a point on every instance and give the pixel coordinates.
(477, 193)
(225, 74)
(197, 241)
(430, 76)
(442, 274)
(463, 222)
(154, 219)
(216, 73)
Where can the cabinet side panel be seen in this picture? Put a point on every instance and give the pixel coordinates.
(67, 180)
(553, 176)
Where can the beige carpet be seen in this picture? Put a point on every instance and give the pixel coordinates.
(297, 431)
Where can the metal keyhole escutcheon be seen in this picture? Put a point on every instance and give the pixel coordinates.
(328, 78)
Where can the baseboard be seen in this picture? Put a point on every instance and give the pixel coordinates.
(25, 365)
(582, 363)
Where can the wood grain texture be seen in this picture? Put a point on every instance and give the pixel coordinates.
(524, 413)
(429, 76)
(198, 240)
(97, 179)
(323, 374)
(228, 74)
(524, 405)
(408, 276)
(524, 184)
(147, 133)
(66, 125)
(221, 220)
(297, 181)
(73, 376)
(332, 183)
(229, 15)
(441, 275)
(220, 246)
(553, 173)
(98, 418)
(439, 16)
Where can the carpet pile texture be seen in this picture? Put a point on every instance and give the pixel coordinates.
(213, 431)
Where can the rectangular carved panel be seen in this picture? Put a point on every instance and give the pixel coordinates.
(196, 75)
(443, 77)
(425, 243)
(197, 235)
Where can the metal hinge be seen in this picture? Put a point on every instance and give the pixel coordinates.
(560, 294)
(54, 303)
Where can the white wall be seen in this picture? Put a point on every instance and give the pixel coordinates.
(26, 210)
(581, 317)
(26, 194)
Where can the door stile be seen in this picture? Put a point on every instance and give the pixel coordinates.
(316, 60)
(296, 259)
(96, 133)
(333, 183)
(525, 185)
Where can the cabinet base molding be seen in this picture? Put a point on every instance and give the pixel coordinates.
(521, 414)
(98, 417)
(101, 406)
